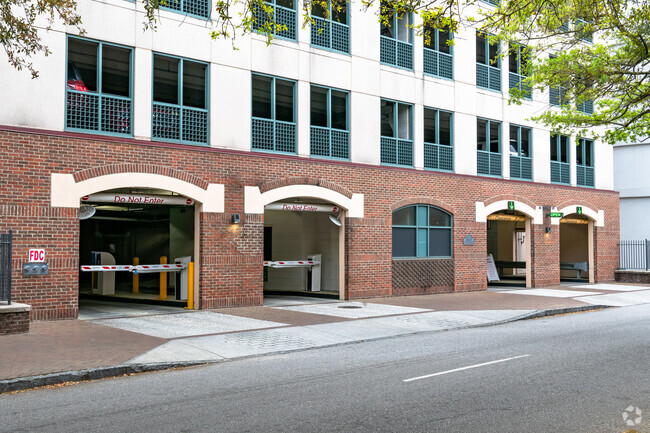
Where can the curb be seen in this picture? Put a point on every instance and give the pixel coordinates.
(29, 382)
(556, 311)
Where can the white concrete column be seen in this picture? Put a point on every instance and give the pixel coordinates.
(142, 92)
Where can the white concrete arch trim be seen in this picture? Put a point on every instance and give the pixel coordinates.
(482, 211)
(254, 200)
(598, 217)
(65, 192)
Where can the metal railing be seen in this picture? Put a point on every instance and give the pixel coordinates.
(585, 175)
(273, 135)
(557, 96)
(179, 123)
(199, 8)
(488, 163)
(560, 172)
(521, 167)
(396, 151)
(330, 34)
(5, 266)
(284, 20)
(586, 107)
(395, 52)
(634, 254)
(438, 63)
(438, 157)
(329, 143)
(90, 111)
(517, 81)
(488, 77)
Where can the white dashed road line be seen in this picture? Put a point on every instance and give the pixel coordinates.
(463, 368)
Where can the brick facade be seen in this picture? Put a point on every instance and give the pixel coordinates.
(230, 258)
(14, 319)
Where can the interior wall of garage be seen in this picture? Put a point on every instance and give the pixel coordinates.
(295, 236)
(181, 233)
(574, 244)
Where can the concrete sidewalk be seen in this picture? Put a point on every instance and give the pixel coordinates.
(112, 339)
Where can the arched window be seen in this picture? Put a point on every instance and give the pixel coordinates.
(421, 231)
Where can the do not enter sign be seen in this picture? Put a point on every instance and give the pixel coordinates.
(36, 255)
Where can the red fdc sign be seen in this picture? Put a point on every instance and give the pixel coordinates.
(36, 255)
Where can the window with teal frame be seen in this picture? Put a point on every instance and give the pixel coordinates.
(585, 163)
(521, 163)
(99, 94)
(438, 140)
(438, 56)
(274, 114)
(396, 41)
(488, 147)
(197, 8)
(560, 167)
(583, 31)
(276, 17)
(330, 28)
(396, 133)
(586, 106)
(329, 133)
(492, 2)
(488, 63)
(557, 94)
(422, 231)
(180, 100)
(517, 61)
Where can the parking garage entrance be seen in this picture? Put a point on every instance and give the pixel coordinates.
(136, 245)
(303, 248)
(508, 249)
(576, 248)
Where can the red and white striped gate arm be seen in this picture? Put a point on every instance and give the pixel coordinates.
(143, 269)
(291, 263)
(105, 268)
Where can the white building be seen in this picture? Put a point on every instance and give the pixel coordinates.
(346, 112)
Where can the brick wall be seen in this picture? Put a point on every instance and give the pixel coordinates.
(14, 323)
(231, 257)
(634, 277)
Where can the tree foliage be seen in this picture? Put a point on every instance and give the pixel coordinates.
(592, 50)
(595, 50)
(18, 27)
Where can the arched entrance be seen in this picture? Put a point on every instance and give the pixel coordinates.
(152, 231)
(299, 226)
(508, 243)
(303, 247)
(509, 248)
(143, 215)
(577, 243)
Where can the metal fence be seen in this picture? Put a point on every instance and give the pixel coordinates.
(634, 254)
(5, 267)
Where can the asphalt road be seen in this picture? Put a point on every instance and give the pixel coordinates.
(571, 373)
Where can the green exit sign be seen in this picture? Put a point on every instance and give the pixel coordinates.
(556, 214)
(579, 210)
(511, 205)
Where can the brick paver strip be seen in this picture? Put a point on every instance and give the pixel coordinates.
(68, 345)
